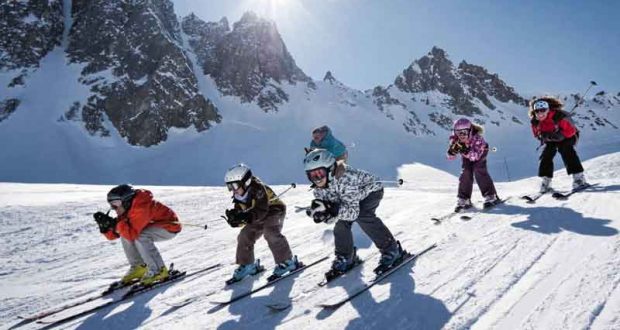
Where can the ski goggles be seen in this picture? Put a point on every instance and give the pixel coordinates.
(317, 174)
(115, 204)
(462, 132)
(233, 185)
(541, 106)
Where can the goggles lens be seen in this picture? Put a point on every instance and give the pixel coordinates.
(462, 132)
(233, 185)
(317, 174)
(115, 204)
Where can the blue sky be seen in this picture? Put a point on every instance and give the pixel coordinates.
(535, 46)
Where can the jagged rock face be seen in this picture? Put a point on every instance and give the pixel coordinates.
(435, 72)
(250, 62)
(135, 66)
(329, 77)
(481, 84)
(7, 107)
(28, 31)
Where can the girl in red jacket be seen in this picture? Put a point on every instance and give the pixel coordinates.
(553, 127)
(141, 221)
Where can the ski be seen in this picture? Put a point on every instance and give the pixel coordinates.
(379, 278)
(268, 284)
(531, 199)
(564, 196)
(112, 288)
(438, 220)
(485, 209)
(134, 290)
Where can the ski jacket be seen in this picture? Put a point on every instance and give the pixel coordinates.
(555, 122)
(260, 203)
(347, 190)
(331, 144)
(144, 212)
(475, 150)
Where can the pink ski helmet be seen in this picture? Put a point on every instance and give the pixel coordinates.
(462, 123)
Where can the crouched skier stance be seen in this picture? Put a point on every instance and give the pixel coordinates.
(467, 140)
(344, 195)
(259, 212)
(141, 221)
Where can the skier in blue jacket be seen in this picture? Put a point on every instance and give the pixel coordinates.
(322, 138)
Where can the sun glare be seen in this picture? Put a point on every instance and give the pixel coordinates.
(273, 9)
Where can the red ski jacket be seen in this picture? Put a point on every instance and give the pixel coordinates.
(551, 123)
(144, 212)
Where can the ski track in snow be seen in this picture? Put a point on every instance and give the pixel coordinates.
(550, 265)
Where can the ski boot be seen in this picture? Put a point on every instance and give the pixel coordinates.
(342, 264)
(462, 204)
(134, 274)
(545, 184)
(391, 257)
(152, 277)
(284, 268)
(490, 201)
(579, 181)
(246, 270)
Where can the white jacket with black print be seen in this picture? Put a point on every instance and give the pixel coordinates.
(348, 190)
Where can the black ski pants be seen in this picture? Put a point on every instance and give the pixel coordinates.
(566, 148)
(370, 224)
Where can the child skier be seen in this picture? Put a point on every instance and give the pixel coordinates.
(140, 222)
(467, 140)
(259, 211)
(322, 138)
(345, 195)
(552, 126)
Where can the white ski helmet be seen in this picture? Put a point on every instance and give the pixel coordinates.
(238, 175)
(319, 158)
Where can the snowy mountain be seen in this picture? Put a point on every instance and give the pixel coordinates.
(549, 265)
(125, 91)
(250, 61)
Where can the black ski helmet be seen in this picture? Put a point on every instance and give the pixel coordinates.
(124, 193)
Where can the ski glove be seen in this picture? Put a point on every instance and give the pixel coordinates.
(322, 211)
(457, 147)
(237, 218)
(105, 222)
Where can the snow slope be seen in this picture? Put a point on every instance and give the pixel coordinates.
(550, 265)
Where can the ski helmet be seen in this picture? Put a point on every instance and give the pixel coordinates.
(124, 193)
(319, 159)
(462, 123)
(237, 176)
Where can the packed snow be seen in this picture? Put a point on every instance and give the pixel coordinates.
(550, 265)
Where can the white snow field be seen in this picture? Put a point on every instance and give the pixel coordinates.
(550, 265)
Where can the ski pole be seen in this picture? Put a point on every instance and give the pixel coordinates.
(181, 223)
(293, 185)
(398, 182)
(592, 83)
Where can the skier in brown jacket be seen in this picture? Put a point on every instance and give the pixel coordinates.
(259, 212)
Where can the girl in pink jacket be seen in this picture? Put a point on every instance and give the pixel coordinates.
(467, 140)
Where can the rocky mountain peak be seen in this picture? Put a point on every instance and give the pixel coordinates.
(136, 68)
(329, 77)
(250, 62)
(463, 84)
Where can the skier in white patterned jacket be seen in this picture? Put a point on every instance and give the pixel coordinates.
(344, 195)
